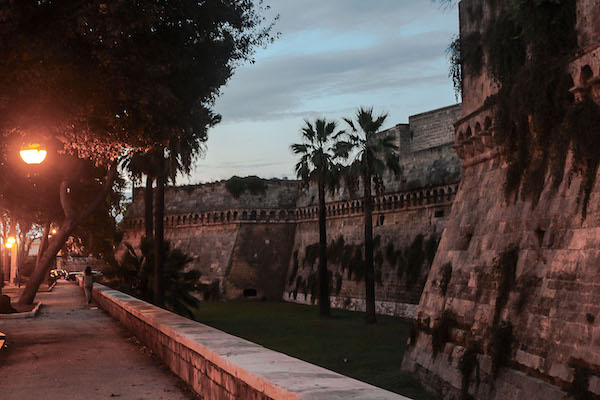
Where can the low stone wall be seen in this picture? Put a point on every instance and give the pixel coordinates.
(403, 310)
(221, 366)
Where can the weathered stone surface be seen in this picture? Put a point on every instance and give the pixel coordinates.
(552, 300)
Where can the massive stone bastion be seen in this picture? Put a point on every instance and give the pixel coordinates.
(511, 306)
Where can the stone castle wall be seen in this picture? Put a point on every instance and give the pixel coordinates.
(409, 217)
(227, 236)
(258, 244)
(513, 284)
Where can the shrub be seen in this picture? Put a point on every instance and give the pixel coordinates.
(506, 264)
(236, 185)
(446, 276)
(500, 346)
(441, 331)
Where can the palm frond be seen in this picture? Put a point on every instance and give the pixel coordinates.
(350, 123)
(299, 148)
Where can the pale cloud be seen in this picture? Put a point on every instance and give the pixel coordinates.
(332, 56)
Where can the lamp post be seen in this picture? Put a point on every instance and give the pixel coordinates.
(11, 245)
(33, 153)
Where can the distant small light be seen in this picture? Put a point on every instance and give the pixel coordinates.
(54, 231)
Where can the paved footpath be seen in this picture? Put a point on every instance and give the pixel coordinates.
(72, 350)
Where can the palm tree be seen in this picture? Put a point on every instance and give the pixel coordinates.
(373, 154)
(178, 157)
(317, 163)
(138, 165)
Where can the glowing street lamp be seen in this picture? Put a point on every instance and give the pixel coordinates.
(9, 245)
(11, 240)
(33, 154)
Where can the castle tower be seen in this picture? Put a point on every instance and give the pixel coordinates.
(511, 307)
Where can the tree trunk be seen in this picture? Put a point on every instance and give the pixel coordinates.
(323, 274)
(45, 263)
(72, 220)
(43, 242)
(148, 207)
(159, 242)
(369, 268)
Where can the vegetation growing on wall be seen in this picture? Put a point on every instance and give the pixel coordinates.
(506, 267)
(467, 365)
(441, 331)
(537, 121)
(237, 186)
(294, 268)
(500, 346)
(445, 277)
(579, 388)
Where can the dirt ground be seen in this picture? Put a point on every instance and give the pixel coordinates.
(76, 351)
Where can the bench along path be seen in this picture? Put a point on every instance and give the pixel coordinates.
(71, 351)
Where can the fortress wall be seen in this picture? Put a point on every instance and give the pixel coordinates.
(259, 261)
(407, 227)
(553, 306)
(434, 128)
(402, 259)
(210, 246)
(532, 332)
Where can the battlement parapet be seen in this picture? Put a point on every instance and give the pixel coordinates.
(389, 202)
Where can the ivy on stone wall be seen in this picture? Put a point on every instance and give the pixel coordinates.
(467, 365)
(445, 277)
(537, 121)
(579, 388)
(295, 267)
(441, 331)
(348, 259)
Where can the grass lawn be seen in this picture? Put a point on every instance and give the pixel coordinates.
(343, 343)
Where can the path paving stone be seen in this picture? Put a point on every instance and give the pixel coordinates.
(76, 351)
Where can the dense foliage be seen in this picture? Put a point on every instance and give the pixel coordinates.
(135, 275)
(236, 186)
(101, 76)
(528, 47)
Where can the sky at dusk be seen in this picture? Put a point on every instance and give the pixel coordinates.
(332, 56)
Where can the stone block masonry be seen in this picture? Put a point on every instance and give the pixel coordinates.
(219, 366)
(511, 306)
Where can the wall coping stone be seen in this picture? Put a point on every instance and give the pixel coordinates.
(276, 375)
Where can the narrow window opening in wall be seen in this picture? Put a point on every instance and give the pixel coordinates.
(439, 213)
(540, 233)
(249, 292)
(381, 219)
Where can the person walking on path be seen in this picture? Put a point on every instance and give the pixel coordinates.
(88, 283)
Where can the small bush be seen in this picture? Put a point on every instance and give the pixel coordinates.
(446, 276)
(467, 364)
(506, 265)
(236, 185)
(311, 254)
(500, 346)
(579, 388)
(294, 268)
(441, 331)
(338, 283)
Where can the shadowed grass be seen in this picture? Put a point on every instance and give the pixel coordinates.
(343, 343)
